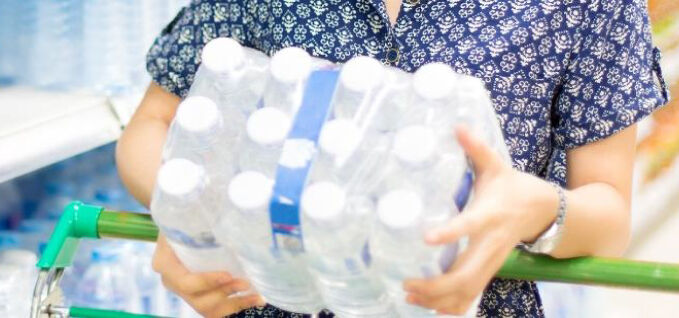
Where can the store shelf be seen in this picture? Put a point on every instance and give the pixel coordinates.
(653, 203)
(38, 128)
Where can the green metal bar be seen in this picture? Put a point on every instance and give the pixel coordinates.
(79, 312)
(592, 271)
(127, 225)
(78, 220)
(519, 265)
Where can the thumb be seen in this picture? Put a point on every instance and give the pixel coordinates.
(482, 156)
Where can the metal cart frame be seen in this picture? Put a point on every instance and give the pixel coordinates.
(82, 221)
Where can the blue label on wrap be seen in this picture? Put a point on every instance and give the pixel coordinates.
(465, 189)
(296, 159)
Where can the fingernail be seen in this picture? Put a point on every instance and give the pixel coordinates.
(241, 286)
(431, 236)
(225, 279)
(411, 299)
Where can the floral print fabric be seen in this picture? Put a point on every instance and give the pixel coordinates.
(561, 73)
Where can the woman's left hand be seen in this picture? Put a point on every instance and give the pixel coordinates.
(509, 206)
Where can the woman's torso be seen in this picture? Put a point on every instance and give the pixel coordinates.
(520, 48)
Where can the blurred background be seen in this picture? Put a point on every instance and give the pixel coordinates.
(63, 104)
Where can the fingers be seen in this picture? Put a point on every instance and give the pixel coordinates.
(482, 156)
(218, 304)
(460, 226)
(455, 291)
(475, 220)
(238, 304)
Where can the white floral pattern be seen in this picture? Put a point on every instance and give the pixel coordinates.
(562, 73)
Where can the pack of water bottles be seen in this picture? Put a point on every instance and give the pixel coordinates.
(316, 181)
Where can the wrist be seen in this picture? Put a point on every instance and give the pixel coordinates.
(540, 209)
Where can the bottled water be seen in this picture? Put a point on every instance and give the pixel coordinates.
(234, 83)
(8, 42)
(183, 210)
(399, 249)
(437, 87)
(106, 52)
(16, 286)
(281, 278)
(198, 133)
(138, 260)
(359, 79)
(266, 130)
(267, 127)
(57, 32)
(35, 233)
(10, 205)
(106, 283)
(423, 175)
(289, 69)
(342, 266)
(59, 193)
(10, 240)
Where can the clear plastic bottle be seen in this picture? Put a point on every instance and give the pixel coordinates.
(56, 50)
(199, 133)
(267, 127)
(450, 99)
(281, 278)
(266, 131)
(342, 266)
(399, 249)
(9, 11)
(35, 233)
(423, 175)
(184, 212)
(106, 283)
(107, 64)
(15, 290)
(232, 76)
(288, 71)
(359, 79)
(10, 205)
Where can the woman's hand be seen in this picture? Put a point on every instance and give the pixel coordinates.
(508, 207)
(210, 294)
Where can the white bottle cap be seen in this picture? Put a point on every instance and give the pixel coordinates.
(323, 201)
(250, 190)
(415, 145)
(198, 115)
(472, 86)
(399, 209)
(180, 177)
(339, 137)
(290, 65)
(223, 55)
(18, 257)
(434, 81)
(362, 73)
(268, 126)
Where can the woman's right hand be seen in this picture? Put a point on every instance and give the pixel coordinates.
(210, 294)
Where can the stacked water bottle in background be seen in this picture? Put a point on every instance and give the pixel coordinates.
(387, 168)
(29, 209)
(80, 44)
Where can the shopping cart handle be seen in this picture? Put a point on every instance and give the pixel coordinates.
(78, 312)
(77, 221)
(88, 221)
(81, 220)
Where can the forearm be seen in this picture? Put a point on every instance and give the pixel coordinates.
(139, 150)
(597, 220)
(138, 156)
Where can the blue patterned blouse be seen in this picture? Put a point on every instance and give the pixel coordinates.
(562, 73)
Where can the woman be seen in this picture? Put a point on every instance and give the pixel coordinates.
(569, 80)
